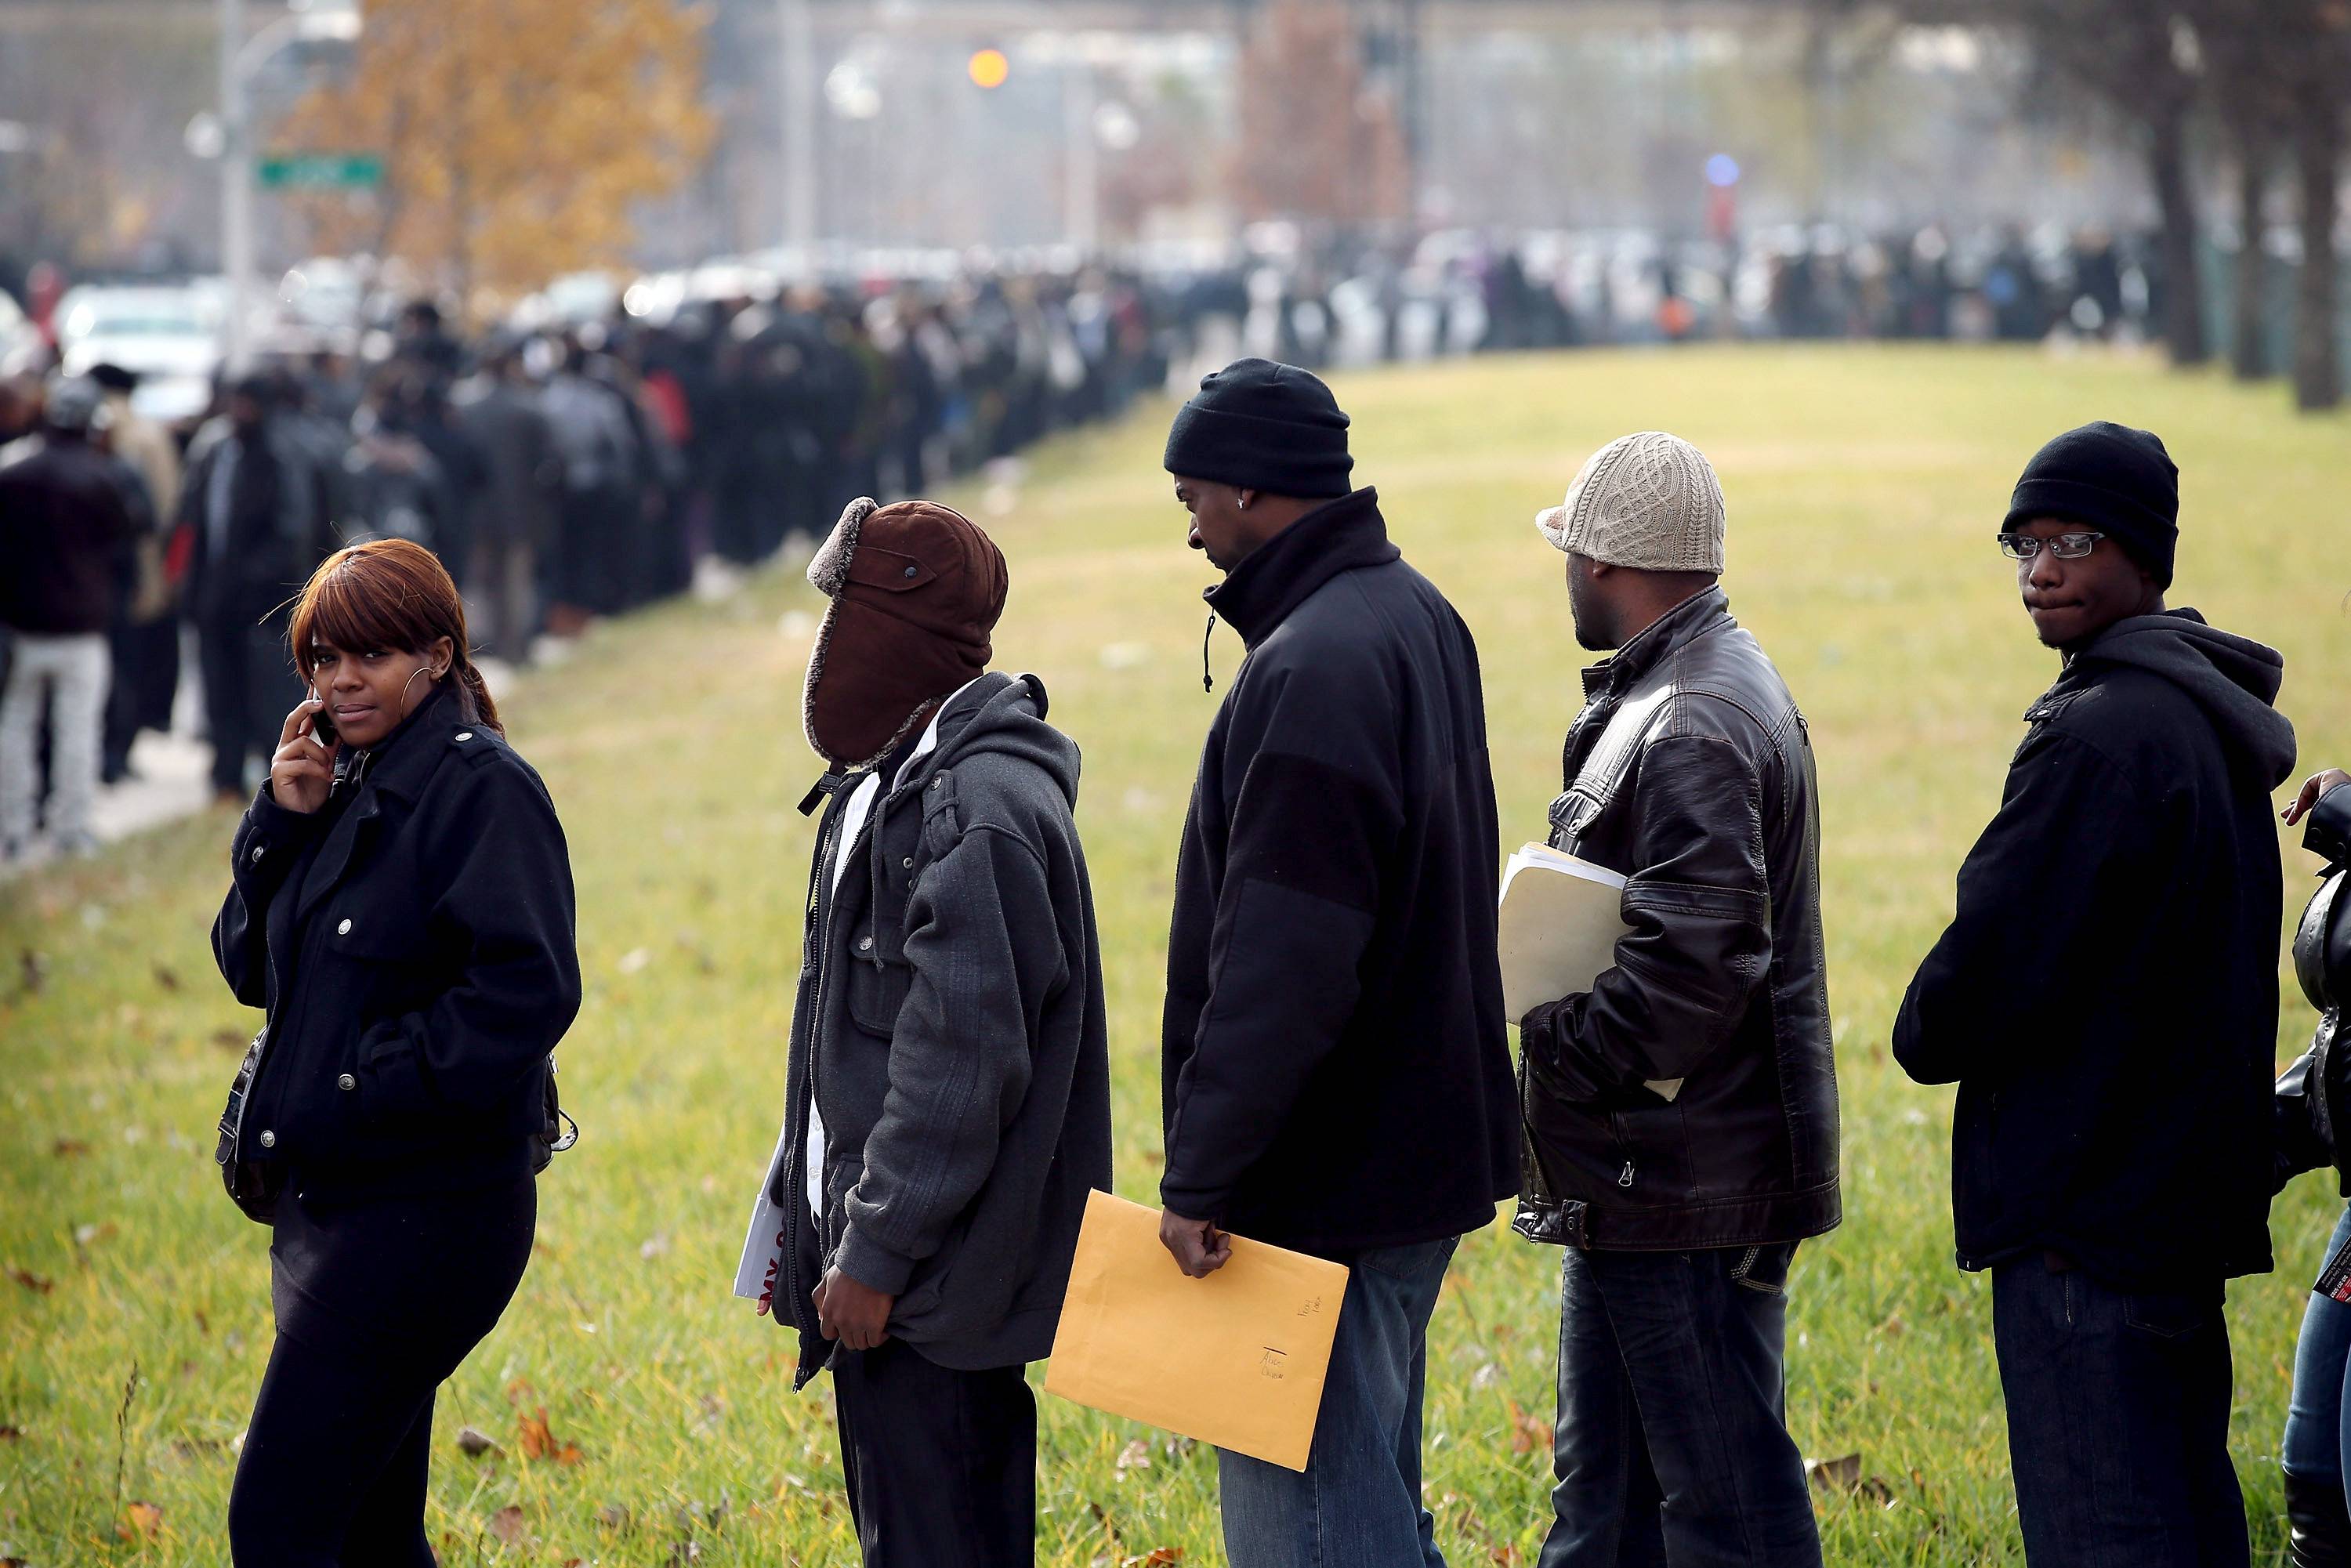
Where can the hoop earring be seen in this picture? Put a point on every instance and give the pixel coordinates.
(420, 669)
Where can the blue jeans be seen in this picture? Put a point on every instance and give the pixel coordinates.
(1672, 1445)
(1357, 1503)
(2117, 1421)
(2318, 1444)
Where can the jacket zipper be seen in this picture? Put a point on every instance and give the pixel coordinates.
(796, 1161)
(815, 943)
(1624, 1148)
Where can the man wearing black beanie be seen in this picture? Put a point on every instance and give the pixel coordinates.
(1334, 1073)
(2106, 999)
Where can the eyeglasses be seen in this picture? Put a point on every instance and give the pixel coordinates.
(2064, 546)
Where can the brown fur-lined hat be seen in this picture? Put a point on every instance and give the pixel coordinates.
(916, 589)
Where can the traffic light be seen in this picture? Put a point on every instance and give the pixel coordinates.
(988, 68)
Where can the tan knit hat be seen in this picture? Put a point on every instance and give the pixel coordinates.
(1648, 501)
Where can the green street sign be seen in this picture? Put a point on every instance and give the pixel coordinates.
(313, 170)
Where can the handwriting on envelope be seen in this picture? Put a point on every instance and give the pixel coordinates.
(1237, 1359)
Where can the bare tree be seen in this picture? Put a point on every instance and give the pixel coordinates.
(2248, 60)
(2138, 60)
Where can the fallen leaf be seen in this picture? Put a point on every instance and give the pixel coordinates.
(476, 1442)
(506, 1525)
(1135, 1456)
(1158, 1557)
(539, 1440)
(229, 1039)
(86, 1233)
(1529, 1434)
(38, 1284)
(612, 1516)
(518, 1390)
(139, 1521)
(166, 977)
(67, 1148)
(635, 960)
(653, 1245)
(11, 1434)
(32, 970)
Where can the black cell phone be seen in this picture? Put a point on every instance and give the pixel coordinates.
(323, 724)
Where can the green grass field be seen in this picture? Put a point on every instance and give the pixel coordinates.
(1864, 487)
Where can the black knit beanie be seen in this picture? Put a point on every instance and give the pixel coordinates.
(1263, 426)
(2109, 477)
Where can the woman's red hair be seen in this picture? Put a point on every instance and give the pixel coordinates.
(388, 593)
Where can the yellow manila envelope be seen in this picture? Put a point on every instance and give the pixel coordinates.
(1236, 1360)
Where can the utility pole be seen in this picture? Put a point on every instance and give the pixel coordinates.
(236, 182)
(797, 29)
(1081, 172)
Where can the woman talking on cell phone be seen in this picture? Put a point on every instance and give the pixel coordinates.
(402, 907)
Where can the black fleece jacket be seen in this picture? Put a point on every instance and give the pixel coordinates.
(2106, 997)
(1333, 1069)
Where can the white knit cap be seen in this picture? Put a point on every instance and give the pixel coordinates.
(1648, 501)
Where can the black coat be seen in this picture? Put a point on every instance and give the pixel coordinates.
(1334, 1071)
(276, 531)
(2106, 995)
(65, 541)
(412, 943)
(1689, 772)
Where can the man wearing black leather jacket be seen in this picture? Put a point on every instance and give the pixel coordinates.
(1691, 771)
(2105, 997)
(2311, 1099)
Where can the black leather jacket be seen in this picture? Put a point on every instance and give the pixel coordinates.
(1689, 771)
(2313, 1096)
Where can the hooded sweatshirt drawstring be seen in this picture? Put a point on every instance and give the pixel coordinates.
(1208, 681)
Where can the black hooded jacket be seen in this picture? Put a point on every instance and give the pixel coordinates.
(1335, 1074)
(2106, 995)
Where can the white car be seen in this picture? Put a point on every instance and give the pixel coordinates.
(170, 335)
(22, 348)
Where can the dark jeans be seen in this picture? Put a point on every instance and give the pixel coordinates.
(941, 1465)
(2117, 1421)
(376, 1302)
(1357, 1503)
(2318, 1444)
(1672, 1445)
(249, 688)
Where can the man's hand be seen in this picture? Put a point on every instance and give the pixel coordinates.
(2313, 788)
(851, 1312)
(1200, 1248)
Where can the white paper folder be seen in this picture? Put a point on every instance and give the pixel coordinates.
(1560, 920)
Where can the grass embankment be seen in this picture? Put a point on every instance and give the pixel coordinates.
(1864, 487)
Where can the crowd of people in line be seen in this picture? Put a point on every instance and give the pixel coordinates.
(559, 476)
(1336, 1068)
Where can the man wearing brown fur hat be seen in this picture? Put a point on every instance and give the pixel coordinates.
(948, 1080)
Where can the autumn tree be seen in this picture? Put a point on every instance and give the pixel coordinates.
(1317, 143)
(516, 134)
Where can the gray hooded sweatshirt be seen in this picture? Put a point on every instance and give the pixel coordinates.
(949, 1031)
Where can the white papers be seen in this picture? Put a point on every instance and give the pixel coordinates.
(1560, 920)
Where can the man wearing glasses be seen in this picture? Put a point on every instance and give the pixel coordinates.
(2106, 999)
